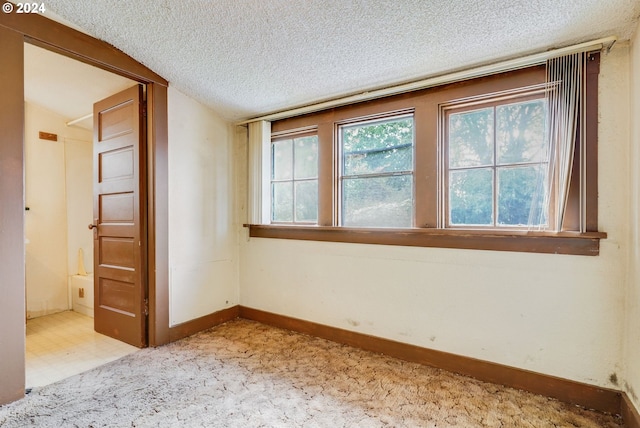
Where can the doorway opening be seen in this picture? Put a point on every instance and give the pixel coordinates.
(43, 32)
(58, 137)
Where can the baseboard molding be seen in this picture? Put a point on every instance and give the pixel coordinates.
(189, 328)
(629, 412)
(589, 396)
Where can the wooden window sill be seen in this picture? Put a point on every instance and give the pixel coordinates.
(585, 244)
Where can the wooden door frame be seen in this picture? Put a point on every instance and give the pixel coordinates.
(15, 30)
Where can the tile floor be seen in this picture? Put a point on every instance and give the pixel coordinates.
(64, 344)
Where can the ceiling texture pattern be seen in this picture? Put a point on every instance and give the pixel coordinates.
(245, 58)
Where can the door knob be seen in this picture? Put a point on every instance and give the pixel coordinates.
(92, 226)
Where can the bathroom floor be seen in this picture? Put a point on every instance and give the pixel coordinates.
(64, 344)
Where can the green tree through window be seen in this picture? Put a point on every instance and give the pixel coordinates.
(497, 165)
(377, 173)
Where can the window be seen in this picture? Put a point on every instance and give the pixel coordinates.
(376, 174)
(496, 163)
(474, 164)
(294, 180)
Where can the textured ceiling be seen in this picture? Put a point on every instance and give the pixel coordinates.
(244, 58)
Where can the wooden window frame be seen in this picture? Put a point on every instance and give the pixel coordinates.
(283, 137)
(464, 106)
(428, 230)
(339, 161)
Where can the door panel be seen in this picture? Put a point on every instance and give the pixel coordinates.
(118, 296)
(117, 164)
(118, 252)
(119, 238)
(117, 207)
(115, 121)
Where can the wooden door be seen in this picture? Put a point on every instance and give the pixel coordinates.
(119, 217)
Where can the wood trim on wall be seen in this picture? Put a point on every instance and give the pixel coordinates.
(589, 396)
(585, 244)
(158, 214)
(591, 114)
(66, 41)
(430, 187)
(189, 328)
(15, 30)
(51, 35)
(12, 255)
(629, 413)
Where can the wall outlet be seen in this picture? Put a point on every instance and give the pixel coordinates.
(81, 292)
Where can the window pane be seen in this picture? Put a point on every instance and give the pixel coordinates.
(470, 197)
(387, 160)
(518, 188)
(521, 132)
(471, 138)
(282, 160)
(306, 157)
(282, 197)
(307, 201)
(378, 147)
(378, 201)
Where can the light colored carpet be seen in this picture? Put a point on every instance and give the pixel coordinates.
(246, 374)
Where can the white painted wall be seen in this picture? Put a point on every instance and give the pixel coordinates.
(632, 298)
(203, 251)
(79, 187)
(47, 260)
(554, 314)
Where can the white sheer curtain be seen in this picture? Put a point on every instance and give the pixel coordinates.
(564, 96)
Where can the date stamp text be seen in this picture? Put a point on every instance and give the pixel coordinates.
(23, 7)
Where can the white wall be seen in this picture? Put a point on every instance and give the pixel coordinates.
(46, 222)
(632, 298)
(203, 251)
(79, 187)
(554, 314)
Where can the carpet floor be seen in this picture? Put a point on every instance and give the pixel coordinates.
(246, 374)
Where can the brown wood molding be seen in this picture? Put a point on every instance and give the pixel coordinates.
(589, 396)
(189, 328)
(158, 213)
(591, 179)
(12, 217)
(585, 244)
(14, 32)
(54, 36)
(629, 412)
